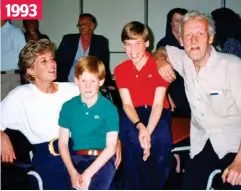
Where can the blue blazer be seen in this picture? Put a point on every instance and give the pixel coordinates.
(68, 47)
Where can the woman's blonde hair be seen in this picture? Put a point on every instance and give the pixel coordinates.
(29, 54)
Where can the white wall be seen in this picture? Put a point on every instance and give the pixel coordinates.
(60, 17)
(235, 5)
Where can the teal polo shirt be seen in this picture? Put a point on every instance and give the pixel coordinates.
(89, 126)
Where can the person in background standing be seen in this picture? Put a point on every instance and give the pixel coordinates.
(12, 43)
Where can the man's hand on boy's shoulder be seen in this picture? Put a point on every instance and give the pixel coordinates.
(118, 154)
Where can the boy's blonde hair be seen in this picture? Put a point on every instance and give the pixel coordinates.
(92, 65)
(134, 30)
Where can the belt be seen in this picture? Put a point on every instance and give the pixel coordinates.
(10, 72)
(91, 152)
(52, 148)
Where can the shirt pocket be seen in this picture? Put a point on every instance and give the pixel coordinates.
(221, 104)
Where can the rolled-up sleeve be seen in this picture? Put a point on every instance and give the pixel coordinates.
(176, 58)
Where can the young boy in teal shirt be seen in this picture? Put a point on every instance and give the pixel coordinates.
(93, 123)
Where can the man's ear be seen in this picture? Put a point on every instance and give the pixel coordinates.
(181, 42)
(147, 43)
(93, 26)
(101, 82)
(211, 38)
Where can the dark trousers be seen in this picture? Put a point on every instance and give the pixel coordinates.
(151, 174)
(202, 165)
(50, 168)
(103, 178)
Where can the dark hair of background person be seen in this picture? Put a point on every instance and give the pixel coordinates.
(33, 35)
(170, 38)
(170, 14)
(92, 18)
(227, 24)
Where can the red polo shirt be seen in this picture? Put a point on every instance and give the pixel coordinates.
(141, 84)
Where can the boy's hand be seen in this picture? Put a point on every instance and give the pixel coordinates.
(144, 137)
(118, 154)
(76, 180)
(146, 154)
(86, 179)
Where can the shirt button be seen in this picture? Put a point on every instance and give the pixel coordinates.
(136, 76)
(86, 113)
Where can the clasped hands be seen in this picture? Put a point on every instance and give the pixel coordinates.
(145, 140)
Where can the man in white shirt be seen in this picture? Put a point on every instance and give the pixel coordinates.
(212, 84)
(12, 43)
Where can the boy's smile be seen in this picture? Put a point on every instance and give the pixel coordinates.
(136, 49)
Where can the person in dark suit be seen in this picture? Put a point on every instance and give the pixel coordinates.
(75, 46)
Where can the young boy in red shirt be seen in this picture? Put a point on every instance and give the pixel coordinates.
(144, 120)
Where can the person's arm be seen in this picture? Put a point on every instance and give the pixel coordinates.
(168, 58)
(118, 154)
(65, 154)
(11, 117)
(232, 174)
(102, 159)
(157, 108)
(144, 136)
(172, 104)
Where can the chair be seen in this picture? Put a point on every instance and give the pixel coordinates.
(212, 176)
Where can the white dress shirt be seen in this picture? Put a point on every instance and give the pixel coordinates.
(214, 94)
(35, 113)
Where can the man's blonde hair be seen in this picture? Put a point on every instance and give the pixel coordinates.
(92, 65)
(196, 14)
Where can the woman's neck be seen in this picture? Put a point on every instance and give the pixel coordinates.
(47, 87)
(176, 35)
